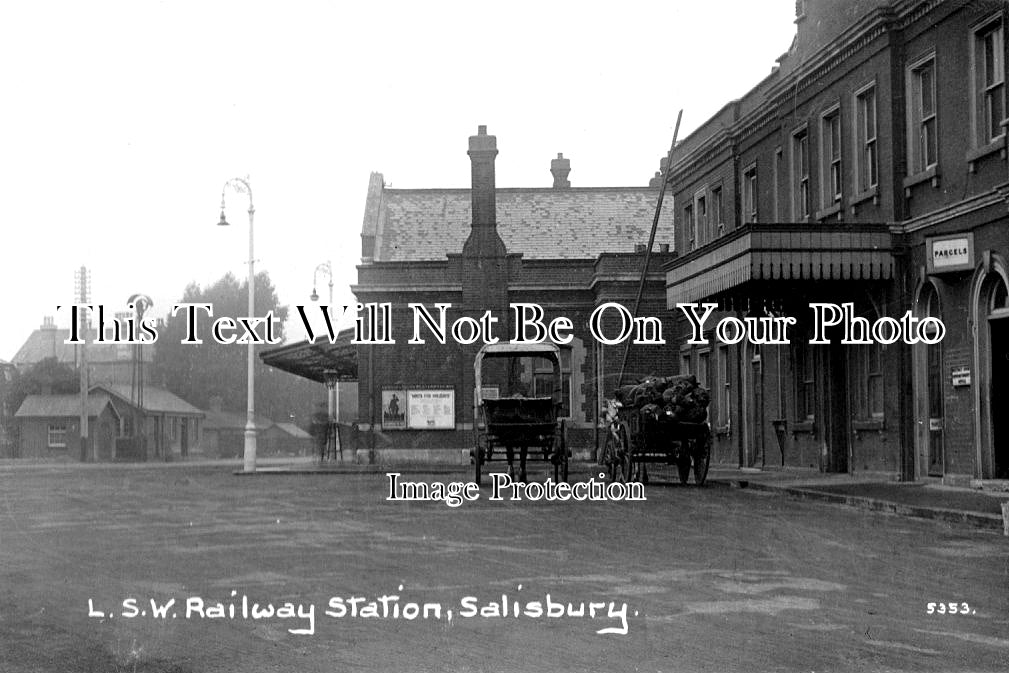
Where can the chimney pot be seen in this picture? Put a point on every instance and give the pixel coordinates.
(481, 130)
(561, 167)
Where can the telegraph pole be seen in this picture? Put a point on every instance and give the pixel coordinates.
(83, 287)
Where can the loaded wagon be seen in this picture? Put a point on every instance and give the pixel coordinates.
(650, 433)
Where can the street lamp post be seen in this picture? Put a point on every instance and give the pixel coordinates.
(249, 462)
(327, 268)
(332, 378)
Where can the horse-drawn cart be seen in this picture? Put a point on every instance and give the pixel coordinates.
(507, 417)
(637, 436)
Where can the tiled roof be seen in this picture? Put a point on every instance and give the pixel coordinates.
(576, 223)
(48, 343)
(157, 400)
(60, 405)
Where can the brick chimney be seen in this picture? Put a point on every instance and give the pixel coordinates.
(484, 257)
(560, 167)
(482, 151)
(483, 240)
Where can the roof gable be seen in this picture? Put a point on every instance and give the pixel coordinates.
(60, 405)
(156, 400)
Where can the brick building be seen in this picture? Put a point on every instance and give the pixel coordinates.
(869, 167)
(565, 248)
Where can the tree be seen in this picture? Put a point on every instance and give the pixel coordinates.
(199, 372)
(45, 377)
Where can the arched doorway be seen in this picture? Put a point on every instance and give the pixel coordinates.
(991, 357)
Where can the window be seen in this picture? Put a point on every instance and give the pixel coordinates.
(865, 139)
(750, 194)
(716, 211)
(57, 437)
(724, 391)
(873, 375)
(800, 175)
(685, 363)
(805, 380)
(830, 154)
(691, 226)
(703, 360)
(922, 131)
(701, 219)
(543, 379)
(989, 82)
(778, 162)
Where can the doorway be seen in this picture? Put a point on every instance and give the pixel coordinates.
(756, 409)
(998, 326)
(836, 413)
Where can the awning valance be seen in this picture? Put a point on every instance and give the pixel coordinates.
(781, 252)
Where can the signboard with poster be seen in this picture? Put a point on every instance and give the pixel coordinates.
(432, 409)
(393, 409)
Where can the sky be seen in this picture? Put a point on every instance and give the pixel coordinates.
(123, 121)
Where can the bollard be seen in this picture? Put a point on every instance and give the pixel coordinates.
(1005, 517)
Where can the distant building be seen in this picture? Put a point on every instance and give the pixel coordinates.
(49, 427)
(224, 431)
(161, 426)
(285, 439)
(107, 363)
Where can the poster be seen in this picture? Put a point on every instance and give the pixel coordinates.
(431, 410)
(393, 409)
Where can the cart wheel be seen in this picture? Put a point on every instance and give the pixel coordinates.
(560, 454)
(702, 457)
(683, 462)
(478, 458)
(612, 451)
(629, 470)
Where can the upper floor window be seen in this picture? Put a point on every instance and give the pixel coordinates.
(989, 82)
(750, 194)
(776, 186)
(922, 138)
(701, 213)
(830, 152)
(691, 225)
(716, 210)
(800, 175)
(865, 139)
